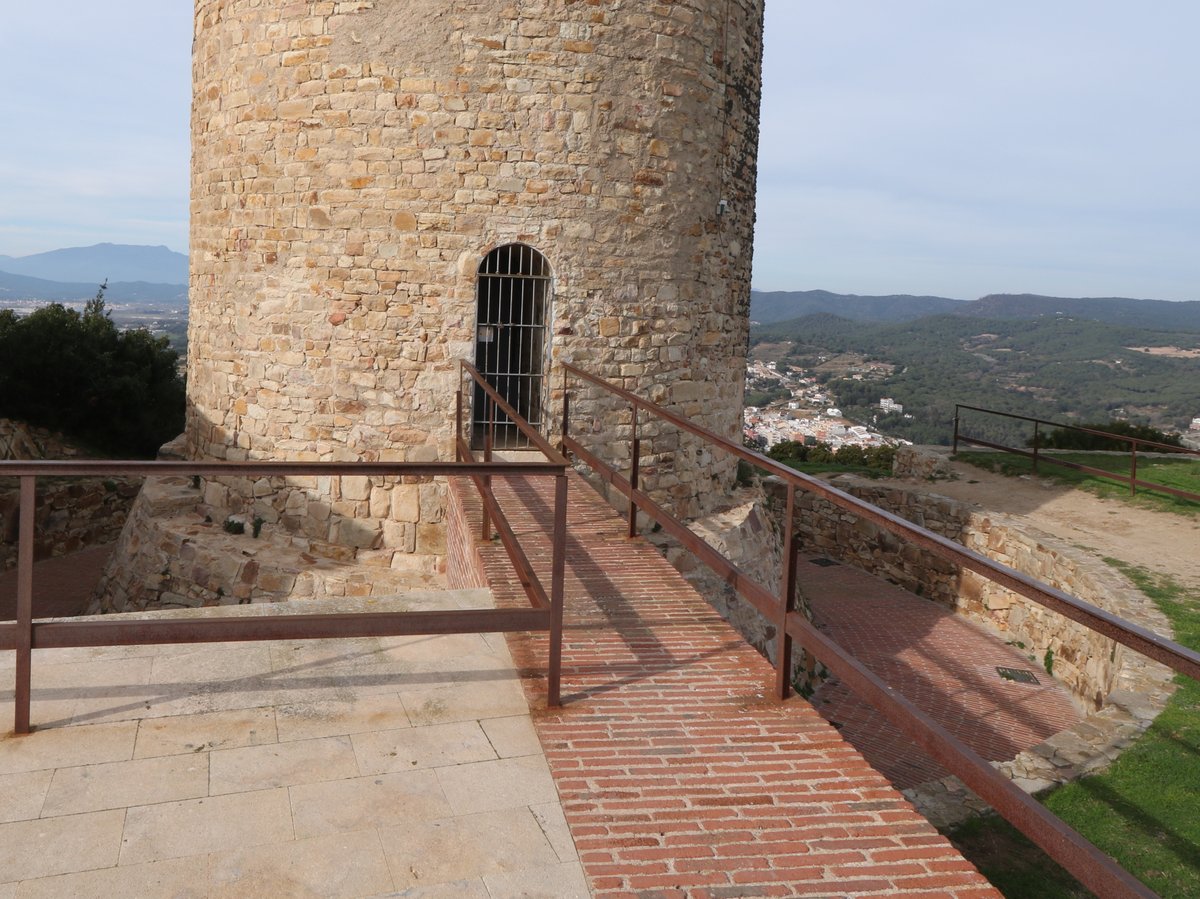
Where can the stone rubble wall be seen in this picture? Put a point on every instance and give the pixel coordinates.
(24, 442)
(175, 553)
(1090, 665)
(72, 514)
(920, 463)
(353, 163)
(749, 534)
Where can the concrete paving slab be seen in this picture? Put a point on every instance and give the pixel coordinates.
(196, 826)
(426, 746)
(329, 718)
(291, 769)
(497, 784)
(564, 881)
(48, 846)
(282, 765)
(465, 702)
(92, 788)
(68, 747)
(512, 736)
(22, 794)
(200, 733)
(179, 878)
(381, 800)
(334, 866)
(466, 847)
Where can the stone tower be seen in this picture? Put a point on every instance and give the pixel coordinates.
(380, 189)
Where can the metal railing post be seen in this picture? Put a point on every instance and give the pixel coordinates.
(955, 449)
(488, 423)
(24, 648)
(1036, 441)
(566, 421)
(458, 410)
(557, 576)
(787, 601)
(1133, 467)
(634, 467)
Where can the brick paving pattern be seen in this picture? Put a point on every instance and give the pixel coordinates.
(944, 664)
(678, 774)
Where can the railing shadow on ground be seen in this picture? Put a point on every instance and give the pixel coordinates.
(1037, 456)
(1087, 863)
(25, 634)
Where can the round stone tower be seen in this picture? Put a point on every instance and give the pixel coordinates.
(380, 189)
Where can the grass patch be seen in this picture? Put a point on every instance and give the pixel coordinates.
(1142, 811)
(1180, 474)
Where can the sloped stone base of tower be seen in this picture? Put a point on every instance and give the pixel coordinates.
(748, 531)
(176, 552)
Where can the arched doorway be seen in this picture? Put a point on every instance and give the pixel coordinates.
(512, 310)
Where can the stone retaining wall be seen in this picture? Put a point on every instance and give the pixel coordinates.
(175, 553)
(22, 441)
(1089, 665)
(71, 515)
(1121, 691)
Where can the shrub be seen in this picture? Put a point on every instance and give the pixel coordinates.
(117, 391)
(1068, 438)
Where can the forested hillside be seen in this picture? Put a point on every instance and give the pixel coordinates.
(1058, 367)
(778, 306)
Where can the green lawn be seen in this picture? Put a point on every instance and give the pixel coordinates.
(1182, 474)
(1144, 810)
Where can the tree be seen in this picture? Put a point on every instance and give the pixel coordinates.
(118, 392)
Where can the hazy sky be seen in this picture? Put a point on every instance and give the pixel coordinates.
(951, 147)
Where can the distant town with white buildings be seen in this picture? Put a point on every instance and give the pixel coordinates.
(808, 414)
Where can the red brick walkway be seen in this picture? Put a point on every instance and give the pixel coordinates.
(678, 775)
(941, 662)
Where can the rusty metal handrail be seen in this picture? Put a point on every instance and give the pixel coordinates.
(1092, 867)
(528, 431)
(1132, 480)
(24, 634)
(493, 514)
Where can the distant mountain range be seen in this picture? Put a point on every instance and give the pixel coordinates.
(134, 274)
(779, 306)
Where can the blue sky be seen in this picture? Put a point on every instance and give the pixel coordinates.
(930, 146)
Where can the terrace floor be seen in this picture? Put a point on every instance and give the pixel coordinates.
(311, 768)
(678, 774)
(413, 766)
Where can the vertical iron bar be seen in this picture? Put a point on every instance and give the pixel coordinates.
(634, 466)
(1133, 467)
(787, 601)
(955, 449)
(1036, 440)
(24, 659)
(566, 417)
(557, 572)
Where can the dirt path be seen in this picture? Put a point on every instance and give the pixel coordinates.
(1159, 541)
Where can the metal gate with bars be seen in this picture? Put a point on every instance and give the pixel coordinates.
(513, 299)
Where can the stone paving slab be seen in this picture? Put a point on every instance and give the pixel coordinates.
(393, 766)
(679, 776)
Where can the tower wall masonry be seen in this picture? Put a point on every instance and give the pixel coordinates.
(353, 163)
